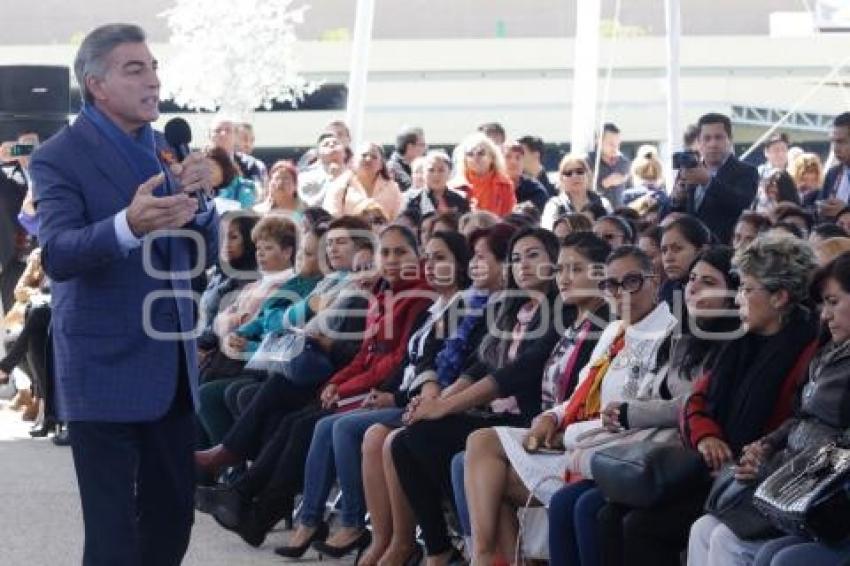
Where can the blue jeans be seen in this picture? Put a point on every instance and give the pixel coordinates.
(460, 494)
(797, 551)
(335, 453)
(574, 536)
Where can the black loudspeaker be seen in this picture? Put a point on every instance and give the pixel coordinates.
(12, 127)
(34, 89)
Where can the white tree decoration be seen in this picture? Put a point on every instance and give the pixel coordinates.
(234, 57)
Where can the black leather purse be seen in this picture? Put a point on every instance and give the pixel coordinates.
(808, 495)
(645, 474)
(731, 501)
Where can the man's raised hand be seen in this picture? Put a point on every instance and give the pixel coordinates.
(147, 212)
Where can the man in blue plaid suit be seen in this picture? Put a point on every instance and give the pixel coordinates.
(123, 313)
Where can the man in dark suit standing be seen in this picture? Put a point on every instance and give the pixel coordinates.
(125, 358)
(835, 194)
(720, 187)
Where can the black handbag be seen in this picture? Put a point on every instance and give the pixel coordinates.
(645, 474)
(731, 502)
(808, 495)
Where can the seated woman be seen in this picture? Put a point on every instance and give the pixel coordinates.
(480, 172)
(506, 381)
(393, 527)
(278, 234)
(495, 463)
(652, 414)
(265, 493)
(232, 190)
(574, 180)
(615, 230)
(29, 319)
(821, 418)
(681, 241)
(369, 182)
(747, 392)
(236, 267)
(750, 224)
(319, 315)
(626, 374)
(335, 447)
(245, 341)
(283, 191)
(274, 237)
(436, 197)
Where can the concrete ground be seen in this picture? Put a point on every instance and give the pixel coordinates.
(41, 523)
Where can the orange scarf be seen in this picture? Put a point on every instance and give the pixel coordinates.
(586, 402)
(492, 192)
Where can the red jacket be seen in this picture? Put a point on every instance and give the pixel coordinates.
(389, 323)
(696, 423)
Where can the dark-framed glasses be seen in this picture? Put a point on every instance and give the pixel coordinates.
(630, 283)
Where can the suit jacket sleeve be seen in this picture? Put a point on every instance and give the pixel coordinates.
(734, 190)
(71, 244)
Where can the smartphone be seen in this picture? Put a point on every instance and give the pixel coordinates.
(22, 149)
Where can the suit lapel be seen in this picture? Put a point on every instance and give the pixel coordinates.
(105, 157)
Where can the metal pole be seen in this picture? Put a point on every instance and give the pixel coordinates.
(359, 68)
(585, 74)
(673, 19)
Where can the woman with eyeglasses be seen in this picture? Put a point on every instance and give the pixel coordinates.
(626, 370)
(574, 178)
(821, 417)
(369, 182)
(709, 298)
(503, 388)
(481, 171)
(747, 392)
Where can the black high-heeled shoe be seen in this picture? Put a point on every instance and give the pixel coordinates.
(319, 535)
(357, 544)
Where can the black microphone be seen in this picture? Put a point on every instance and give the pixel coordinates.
(178, 134)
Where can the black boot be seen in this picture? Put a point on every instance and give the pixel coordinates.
(266, 512)
(229, 507)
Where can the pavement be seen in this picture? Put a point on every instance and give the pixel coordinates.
(41, 523)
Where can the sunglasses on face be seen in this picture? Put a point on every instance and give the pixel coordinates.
(477, 153)
(631, 283)
(571, 172)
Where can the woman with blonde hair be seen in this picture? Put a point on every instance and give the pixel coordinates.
(575, 195)
(480, 167)
(369, 182)
(647, 174)
(807, 172)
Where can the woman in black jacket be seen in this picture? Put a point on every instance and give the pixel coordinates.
(506, 381)
(436, 197)
(822, 417)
